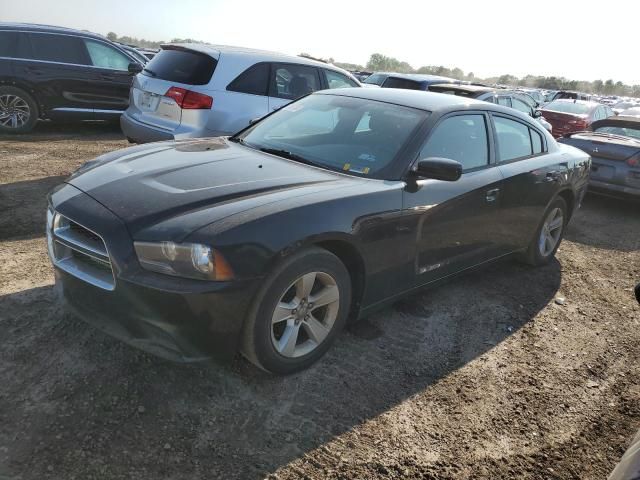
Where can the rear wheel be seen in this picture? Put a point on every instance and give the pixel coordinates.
(549, 234)
(298, 313)
(18, 110)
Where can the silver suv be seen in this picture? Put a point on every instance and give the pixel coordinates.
(194, 90)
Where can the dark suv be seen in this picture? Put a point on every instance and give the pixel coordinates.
(54, 72)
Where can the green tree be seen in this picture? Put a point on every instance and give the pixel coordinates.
(112, 36)
(378, 62)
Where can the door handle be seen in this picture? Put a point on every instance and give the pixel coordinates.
(492, 195)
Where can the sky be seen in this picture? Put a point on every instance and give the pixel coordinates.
(580, 40)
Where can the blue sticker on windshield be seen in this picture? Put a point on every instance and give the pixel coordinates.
(367, 157)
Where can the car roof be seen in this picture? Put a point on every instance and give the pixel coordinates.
(571, 100)
(463, 88)
(423, 100)
(420, 77)
(36, 27)
(264, 55)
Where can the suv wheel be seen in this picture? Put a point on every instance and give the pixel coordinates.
(298, 313)
(18, 110)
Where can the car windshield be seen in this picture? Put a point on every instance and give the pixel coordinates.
(354, 135)
(624, 131)
(569, 107)
(375, 79)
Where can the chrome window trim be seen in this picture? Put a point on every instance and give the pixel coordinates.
(81, 37)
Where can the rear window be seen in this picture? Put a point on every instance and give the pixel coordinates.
(14, 45)
(59, 48)
(254, 80)
(569, 107)
(375, 79)
(181, 66)
(401, 83)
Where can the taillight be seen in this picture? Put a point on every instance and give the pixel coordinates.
(188, 99)
(634, 161)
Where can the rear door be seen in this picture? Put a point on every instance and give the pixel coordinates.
(111, 77)
(531, 178)
(58, 68)
(457, 223)
(290, 81)
(171, 67)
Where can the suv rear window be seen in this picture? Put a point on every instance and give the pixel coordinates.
(59, 48)
(14, 45)
(181, 66)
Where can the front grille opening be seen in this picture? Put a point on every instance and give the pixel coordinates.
(81, 253)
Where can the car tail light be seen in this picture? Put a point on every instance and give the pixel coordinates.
(634, 161)
(188, 99)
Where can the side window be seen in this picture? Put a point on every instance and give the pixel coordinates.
(502, 100)
(59, 48)
(14, 45)
(293, 81)
(514, 140)
(254, 80)
(521, 106)
(536, 141)
(104, 56)
(338, 80)
(462, 138)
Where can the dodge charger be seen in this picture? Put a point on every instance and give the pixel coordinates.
(267, 242)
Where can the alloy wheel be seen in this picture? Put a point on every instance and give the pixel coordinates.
(14, 111)
(551, 232)
(305, 314)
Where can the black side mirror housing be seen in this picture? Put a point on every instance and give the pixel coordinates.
(438, 168)
(134, 68)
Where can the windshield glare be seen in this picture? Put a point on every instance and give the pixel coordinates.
(625, 132)
(569, 107)
(353, 135)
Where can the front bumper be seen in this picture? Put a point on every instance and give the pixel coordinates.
(175, 318)
(182, 327)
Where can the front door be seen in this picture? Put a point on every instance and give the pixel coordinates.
(456, 222)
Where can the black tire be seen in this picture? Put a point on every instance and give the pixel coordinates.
(33, 110)
(533, 255)
(257, 345)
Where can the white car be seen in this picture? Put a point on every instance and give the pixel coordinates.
(195, 90)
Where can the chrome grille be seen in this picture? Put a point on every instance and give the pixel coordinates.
(79, 251)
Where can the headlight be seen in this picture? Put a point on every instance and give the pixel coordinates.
(190, 260)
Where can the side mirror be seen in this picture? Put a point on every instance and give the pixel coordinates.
(134, 68)
(537, 114)
(438, 169)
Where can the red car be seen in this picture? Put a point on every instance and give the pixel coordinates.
(569, 116)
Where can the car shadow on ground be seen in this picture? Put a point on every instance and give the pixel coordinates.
(592, 227)
(117, 412)
(76, 131)
(23, 207)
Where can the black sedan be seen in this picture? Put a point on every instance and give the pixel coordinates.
(614, 145)
(328, 209)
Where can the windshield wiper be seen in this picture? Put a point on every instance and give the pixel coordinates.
(286, 154)
(150, 72)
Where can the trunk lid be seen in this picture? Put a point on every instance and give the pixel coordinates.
(615, 148)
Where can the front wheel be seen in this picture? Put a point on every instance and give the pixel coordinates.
(549, 234)
(298, 313)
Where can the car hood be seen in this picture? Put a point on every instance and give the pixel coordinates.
(151, 184)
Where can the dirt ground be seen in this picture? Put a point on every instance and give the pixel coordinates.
(490, 376)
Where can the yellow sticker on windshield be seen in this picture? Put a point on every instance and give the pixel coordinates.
(346, 166)
(365, 170)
